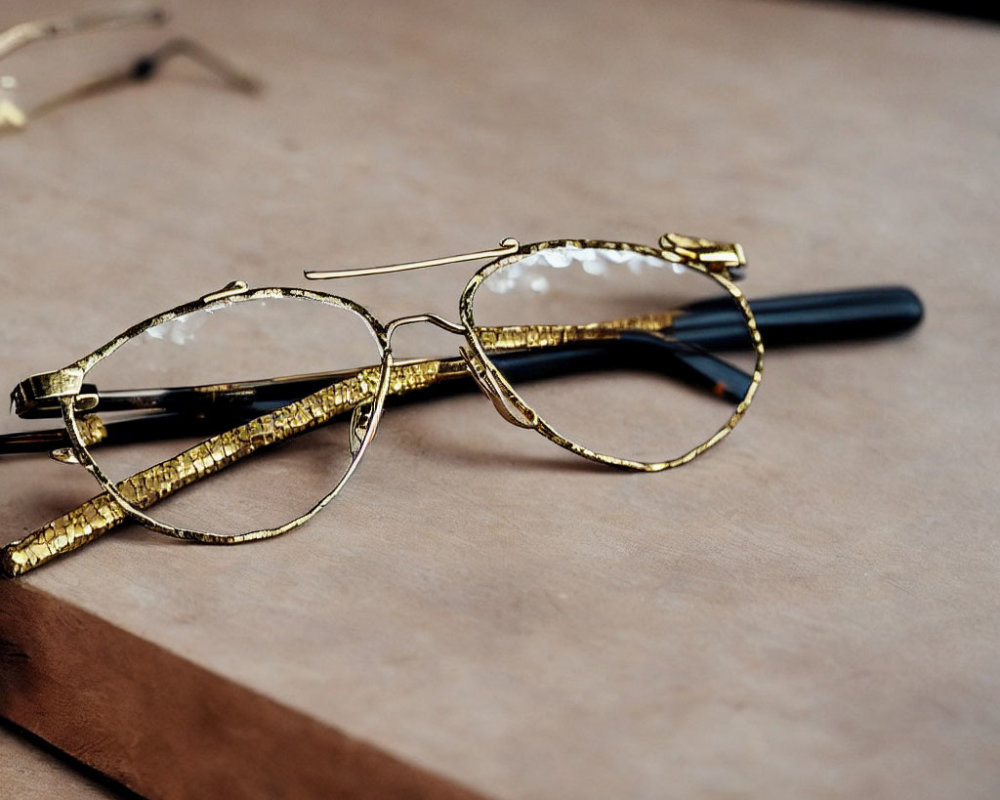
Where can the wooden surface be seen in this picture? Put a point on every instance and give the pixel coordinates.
(808, 611)
(31, 769)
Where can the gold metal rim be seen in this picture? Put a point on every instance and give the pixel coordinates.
(239, 294)
(482, 358)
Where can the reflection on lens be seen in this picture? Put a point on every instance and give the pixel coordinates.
(246, 372)
(620, 352)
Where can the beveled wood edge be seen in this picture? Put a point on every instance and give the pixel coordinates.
(165, 727)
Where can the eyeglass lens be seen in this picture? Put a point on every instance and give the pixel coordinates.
(204, 359)
(635, 374)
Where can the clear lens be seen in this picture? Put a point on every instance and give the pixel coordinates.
(241, 367)
(622, 353)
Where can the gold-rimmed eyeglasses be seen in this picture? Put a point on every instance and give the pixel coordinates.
(634, 356)
(15, 115)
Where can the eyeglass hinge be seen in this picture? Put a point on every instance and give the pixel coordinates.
(715, 256)
(37, 394)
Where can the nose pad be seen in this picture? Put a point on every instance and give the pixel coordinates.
(500, 393)
(361, 418)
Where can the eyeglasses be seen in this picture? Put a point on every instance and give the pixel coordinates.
(15, 116)
(633, 356)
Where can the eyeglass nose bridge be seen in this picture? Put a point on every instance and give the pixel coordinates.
(491, 384)
(434, 319)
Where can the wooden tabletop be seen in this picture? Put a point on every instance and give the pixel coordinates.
(809, 610)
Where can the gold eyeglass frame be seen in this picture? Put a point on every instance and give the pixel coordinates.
(722, 262)
(361, 392)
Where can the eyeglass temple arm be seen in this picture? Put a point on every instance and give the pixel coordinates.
(204, 410)
(145, 68)
(783, 321)
(25, 33)
(38, 395)
(804, 319)
(788, 320)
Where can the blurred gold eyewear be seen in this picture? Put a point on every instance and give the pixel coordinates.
(682, 343)
(15, 116)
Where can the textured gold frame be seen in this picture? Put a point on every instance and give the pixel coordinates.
(709, 259)
(134, 495)
(363, 392)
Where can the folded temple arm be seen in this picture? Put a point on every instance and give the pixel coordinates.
(102, 513)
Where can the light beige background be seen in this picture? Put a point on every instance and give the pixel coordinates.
(809, 611)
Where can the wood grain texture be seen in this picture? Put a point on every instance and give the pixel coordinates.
(808, 611)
